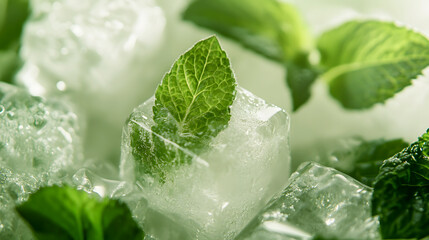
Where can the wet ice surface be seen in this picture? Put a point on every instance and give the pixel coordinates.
(320, 201)
(36, 135)
(97, 54)
(39, 141)
(222, 189)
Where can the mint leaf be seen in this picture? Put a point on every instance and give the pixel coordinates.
(193, 100)
(401, 193)
(272, 28)
(66, 213)
(192, 105)
(368, 62)
(300, 76)
(13, 15)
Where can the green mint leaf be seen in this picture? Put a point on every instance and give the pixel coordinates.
(66, 213)
(13, 15)
(272, 28)
(193, 101)
(192, 105)
(300, 77)
(401, 193)
(368, 62)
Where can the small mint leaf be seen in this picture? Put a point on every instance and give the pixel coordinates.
(271, 28)
(192, 103)
(66, 213)
(368, 62)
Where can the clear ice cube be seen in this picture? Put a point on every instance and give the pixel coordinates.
(321, 201)
(224, 187)
(39, 142)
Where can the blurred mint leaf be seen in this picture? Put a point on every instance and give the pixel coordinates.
(368, 62)
(369, 156)
(272, 28)
(10, 62)
(401, 193)
(192, 105)
(66, 213)
(300, 77)
(13, 15)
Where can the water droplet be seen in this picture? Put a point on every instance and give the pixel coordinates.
(39, 122)
(1, 109)
(61, 86)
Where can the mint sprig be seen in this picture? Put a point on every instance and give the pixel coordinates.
(192, 105)
(66, 213)
(364, 62)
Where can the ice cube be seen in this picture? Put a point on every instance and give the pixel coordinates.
(215, 195)
(39, 142)
(321, 201)
(97, 53)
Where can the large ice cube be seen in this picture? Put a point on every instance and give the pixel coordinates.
(99, 54)
(39, 142)
(224, 187)
(321, 201)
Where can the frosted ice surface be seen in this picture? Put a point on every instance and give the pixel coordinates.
(39, 139)
(321, 201)
(77, 45)
(227, 185)
(36, 135)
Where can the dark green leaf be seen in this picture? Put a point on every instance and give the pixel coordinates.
(401, 193)
(368, 62)
(370, 155)
(300, 77)
(272, 28)
(66, 213)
